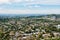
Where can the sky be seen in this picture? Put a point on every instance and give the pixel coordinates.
(29, 6)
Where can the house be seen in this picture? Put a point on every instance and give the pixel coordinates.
(17, 33)
(56, 34)
(46, 36)
(22, 37)
(12, 33)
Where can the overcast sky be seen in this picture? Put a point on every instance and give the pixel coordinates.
(30, 6)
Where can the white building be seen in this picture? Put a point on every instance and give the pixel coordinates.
(58, 26)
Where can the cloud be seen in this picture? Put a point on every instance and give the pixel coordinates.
(48, 2)
(31, 11)
(4, 1)
(15, 1)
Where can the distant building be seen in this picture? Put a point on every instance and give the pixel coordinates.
(58, 26)
(53, 17)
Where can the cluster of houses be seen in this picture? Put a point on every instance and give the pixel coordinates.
(29, 24)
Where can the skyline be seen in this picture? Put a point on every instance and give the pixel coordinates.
(30, 6)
